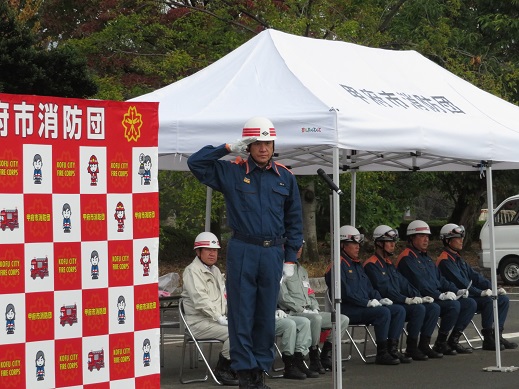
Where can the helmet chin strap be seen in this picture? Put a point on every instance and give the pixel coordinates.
(383, 247)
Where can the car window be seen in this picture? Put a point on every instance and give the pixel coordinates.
(508, 213)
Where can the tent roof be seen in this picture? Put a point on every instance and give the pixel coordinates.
(383, 109)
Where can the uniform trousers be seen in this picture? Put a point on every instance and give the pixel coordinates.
(421, 318)
(320, 321)
(295, 335)
(388, 320)
(486, 308)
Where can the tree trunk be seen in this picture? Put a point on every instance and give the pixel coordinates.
(309, 204)
(467, 208)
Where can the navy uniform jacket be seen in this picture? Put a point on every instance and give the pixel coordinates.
(459, 272)
(421, 271)
(262, 203)
(356, 289)
(388, 281)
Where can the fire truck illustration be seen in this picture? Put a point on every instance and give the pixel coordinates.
(9, 219)
(68, 314)
(39, 267)
(96, 359)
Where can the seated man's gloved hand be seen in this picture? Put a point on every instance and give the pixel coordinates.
(374, 303)
(427, 300)
(280, 314)
(501, 291)
(222, 320)
(486, 293)
(386, 301)
(241, 144)
(417, 300)
(307, 310)
(409, 300)
(315, 311)
(462, 293)
(447, 296)
(289, 269)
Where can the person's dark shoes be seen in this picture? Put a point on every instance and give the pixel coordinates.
(454, 343)
(443, 348)
(300, 364)
(489, 341)
(315, 360)
(245, 379)
(392, 348)
(224, 373)
(326, 356)
(506, 343)
(258, 380)
(425, 347)
(412, 350)
(291, 371)
(383, 357)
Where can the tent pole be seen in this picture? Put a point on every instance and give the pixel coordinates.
(208, 202)
(493, 272)
(353, 197)
(336, 280)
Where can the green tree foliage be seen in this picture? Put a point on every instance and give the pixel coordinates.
(28, 68)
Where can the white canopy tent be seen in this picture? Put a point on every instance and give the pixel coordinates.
(340, 106)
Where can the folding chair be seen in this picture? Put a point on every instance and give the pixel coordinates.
(367, 334)
(276, 369)
(191, 340)
(478, 332)
(165, 324)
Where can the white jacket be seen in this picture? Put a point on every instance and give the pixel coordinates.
(203, 293)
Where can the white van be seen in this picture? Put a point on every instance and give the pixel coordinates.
(506, 230)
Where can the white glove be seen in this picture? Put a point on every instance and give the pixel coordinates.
(427, 300)
(462, 293)
(288, 269)
(241, 144)
(315, 311)
(486, 292)
(409, 300)
(280, 314)
(501, 291)
(374, 303)
(447, 296)
(386, 301)
(417, 300)
(222, 320)
(307, 311)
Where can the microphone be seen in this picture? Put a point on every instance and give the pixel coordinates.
(329, 181)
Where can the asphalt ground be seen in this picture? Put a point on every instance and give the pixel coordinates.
(460, 371)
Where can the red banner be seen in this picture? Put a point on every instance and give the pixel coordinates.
(78, 243)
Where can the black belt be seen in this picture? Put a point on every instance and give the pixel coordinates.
(259, 241)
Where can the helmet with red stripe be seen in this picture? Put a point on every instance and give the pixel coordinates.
(259, 127)
(206, 239)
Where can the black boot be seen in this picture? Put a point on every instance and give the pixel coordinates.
(412, 350)
(454, 343)
(489, 342)
(425, 347)
(506, 343)
(441, 345)
(258, 380)
(326, 356)
(291, 371)
(315, 360)
(383, 357)
(223, 372)
(300, 364)
(392, 348)
(245, 379)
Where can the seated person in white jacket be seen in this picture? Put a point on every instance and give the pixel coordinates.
(297, 299)
(205, 303)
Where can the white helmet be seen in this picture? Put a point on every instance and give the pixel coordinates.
(452, 230)
(385, 233)
(259, 127)
(350, 234)
(206, 239)
(418, 227)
